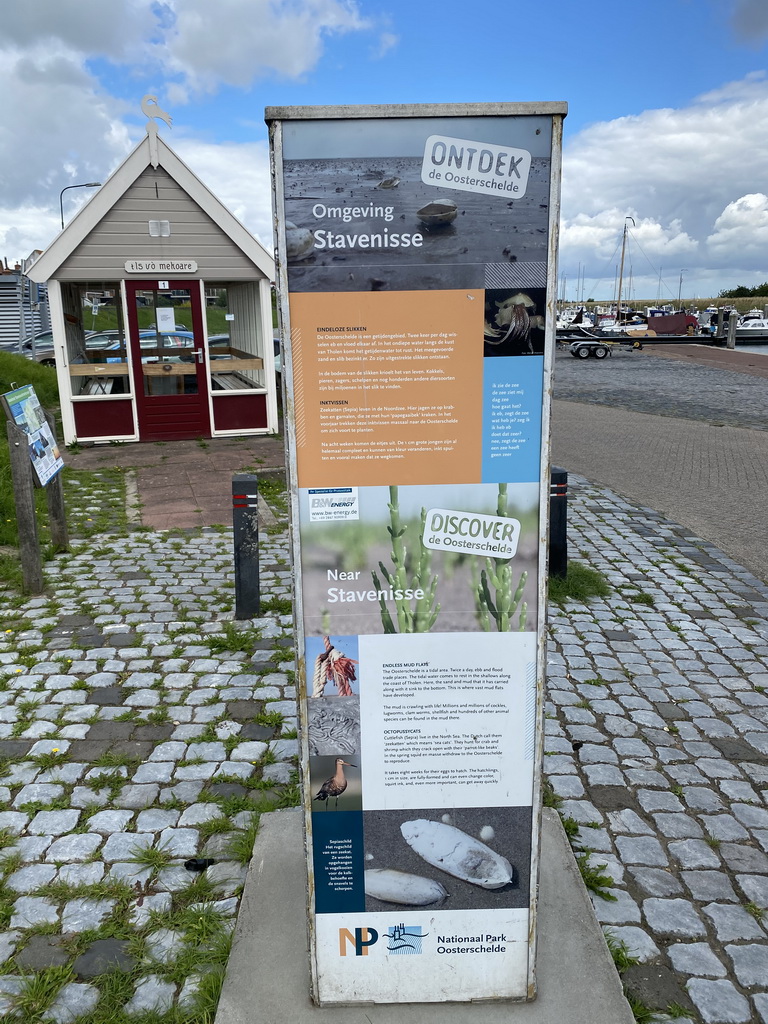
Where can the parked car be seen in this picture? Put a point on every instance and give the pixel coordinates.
(166, 346)
(43, 341)
(44, 347)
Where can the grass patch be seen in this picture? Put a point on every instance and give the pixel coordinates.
(20, 371)
(111, 760)
(580, 584)
(677, 1012)
(571, 827)
(232, 639)
(619, 951)
(549, 797)
(273, 490)
(39, 991)
(214, 827)
(53, 759)
(155, 857)
(290, 795)
(270, 718)
(594, 878)
(642, 1013)
(641, 598)
(277, 605)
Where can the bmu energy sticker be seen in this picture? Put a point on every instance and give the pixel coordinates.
(333, 504)
(446, 529)
(475, 166)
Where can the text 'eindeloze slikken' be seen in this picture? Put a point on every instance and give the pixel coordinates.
(475, 166)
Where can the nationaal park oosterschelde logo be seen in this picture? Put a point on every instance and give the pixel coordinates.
(405, 939)
(402, 939)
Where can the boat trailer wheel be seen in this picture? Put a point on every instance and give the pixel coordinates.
(601, 352)
(582, 352)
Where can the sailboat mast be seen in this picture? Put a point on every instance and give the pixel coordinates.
(621, 269)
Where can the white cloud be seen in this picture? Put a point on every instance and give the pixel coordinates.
(387, 41)
(88, 26)
(248, 38)
(742, 227)
(750, 19)
(239, 176)
(685, 175)
(60, 126)
(63, 130)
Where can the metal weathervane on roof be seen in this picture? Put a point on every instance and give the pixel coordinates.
(150, 108)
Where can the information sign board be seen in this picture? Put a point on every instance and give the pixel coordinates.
(417, 287)
(23, 407)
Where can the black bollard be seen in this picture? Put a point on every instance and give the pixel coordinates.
(558, 522)
(245, 522)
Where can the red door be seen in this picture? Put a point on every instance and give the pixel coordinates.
(165, 327)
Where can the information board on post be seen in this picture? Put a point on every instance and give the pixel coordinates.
(417, 285)
(23, 407)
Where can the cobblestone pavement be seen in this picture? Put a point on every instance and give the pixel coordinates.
(140, 731)
(653, 384)
(657, 745)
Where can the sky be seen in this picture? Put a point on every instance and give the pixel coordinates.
(667, 122)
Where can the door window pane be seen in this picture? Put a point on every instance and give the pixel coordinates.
(169, 349)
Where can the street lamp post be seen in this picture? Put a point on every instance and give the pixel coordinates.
(85, 184)
(680, 286)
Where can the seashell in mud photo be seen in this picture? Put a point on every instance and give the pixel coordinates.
(299, 242)
(458, 854)
(439, 211)
(389, 183)
(400, 887)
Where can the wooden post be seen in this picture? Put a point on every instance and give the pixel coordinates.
(732, 321)
(24, 498)
(719, 323)
(54, 492)
(765, 312)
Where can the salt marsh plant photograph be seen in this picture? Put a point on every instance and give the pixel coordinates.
(378, 575)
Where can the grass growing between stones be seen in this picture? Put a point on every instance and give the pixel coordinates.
(39, 990)
(580, 584)
(594, 877)
(232, 640)
(623, 960)
(241, 844)
(619, 951)
(643, 1014)
(273, 490)
(155, 857)
(277, 605)
(204, 934)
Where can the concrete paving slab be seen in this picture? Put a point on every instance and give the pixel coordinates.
(268, 974)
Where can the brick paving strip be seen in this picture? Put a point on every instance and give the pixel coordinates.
(136, 742)
(657, 745)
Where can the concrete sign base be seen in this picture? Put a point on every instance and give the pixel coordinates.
(267, 977)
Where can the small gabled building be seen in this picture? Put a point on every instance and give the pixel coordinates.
(191, 353)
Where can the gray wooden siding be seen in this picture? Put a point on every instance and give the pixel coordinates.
(123, 234)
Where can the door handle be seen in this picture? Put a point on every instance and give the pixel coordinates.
(199, 353)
